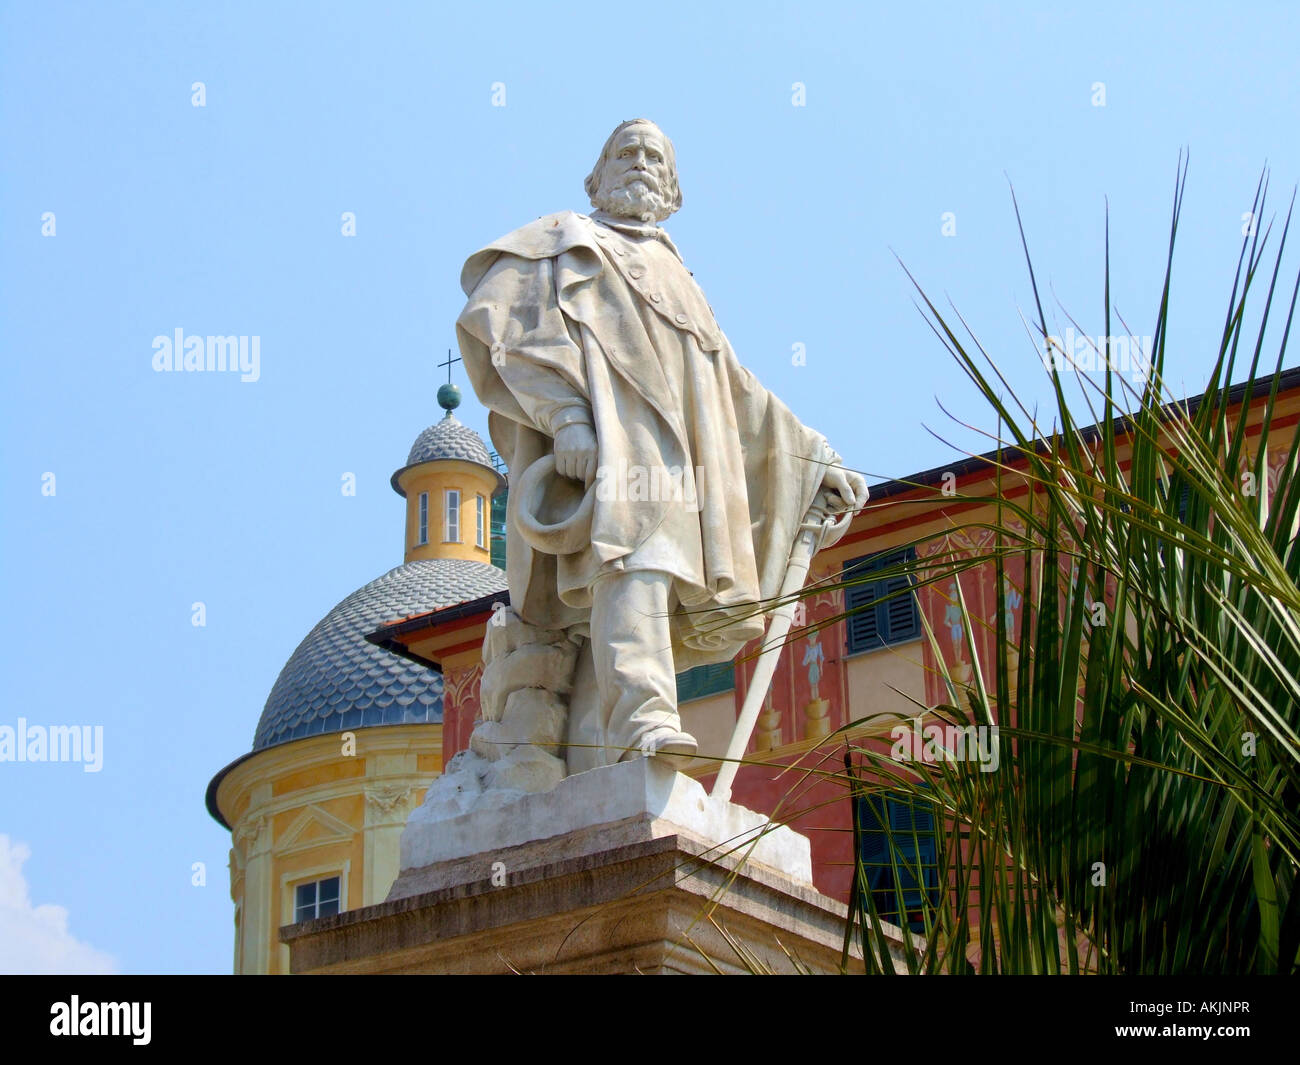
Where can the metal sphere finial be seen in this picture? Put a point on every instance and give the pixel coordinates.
(448, 397)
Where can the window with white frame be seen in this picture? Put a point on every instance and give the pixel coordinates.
(319, 898)
(423, 536)
(451, 519)
(480, 537)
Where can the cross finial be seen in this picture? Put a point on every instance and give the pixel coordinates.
(449, 394)
(450, 361)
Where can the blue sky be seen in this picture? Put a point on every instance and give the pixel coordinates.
(226, 219)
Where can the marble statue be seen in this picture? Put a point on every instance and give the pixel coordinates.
(656, 486)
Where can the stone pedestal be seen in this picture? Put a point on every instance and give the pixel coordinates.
(627, 869)
(629, 802)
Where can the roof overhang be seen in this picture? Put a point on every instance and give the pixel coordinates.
(432, 639)
(210, 798)
(396, 479)
(1012, 455)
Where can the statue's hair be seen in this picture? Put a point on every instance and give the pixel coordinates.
(674, 192)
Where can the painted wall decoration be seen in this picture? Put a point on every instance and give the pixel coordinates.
(809, 692)
(460, 706)
(941, 605)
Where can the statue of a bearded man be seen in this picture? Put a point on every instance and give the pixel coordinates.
(656, 486)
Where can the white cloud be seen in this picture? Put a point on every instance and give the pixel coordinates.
(35, 939)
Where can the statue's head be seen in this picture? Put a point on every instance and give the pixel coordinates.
(636, 174)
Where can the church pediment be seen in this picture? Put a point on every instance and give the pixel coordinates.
(314, 827)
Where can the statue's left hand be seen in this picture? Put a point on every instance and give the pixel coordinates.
(575, 452)
(849, 485)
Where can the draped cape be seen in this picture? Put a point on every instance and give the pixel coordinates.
(703, 473)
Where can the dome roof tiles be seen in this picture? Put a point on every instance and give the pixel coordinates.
(449, 439)
(337, 680)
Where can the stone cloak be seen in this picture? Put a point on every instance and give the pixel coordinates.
(567, 313)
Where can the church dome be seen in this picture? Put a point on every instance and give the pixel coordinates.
(337, 681)
(449, 439)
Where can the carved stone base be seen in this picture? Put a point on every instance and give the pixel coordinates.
(629, 802)
(656, 906)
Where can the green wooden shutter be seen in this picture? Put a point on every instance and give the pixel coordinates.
(888, 620)
(705, 680)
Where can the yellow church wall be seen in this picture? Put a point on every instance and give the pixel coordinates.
(435, 478)
(238, 809)
(346, 808)
(341, 769)
(309, 863)
(307, 811)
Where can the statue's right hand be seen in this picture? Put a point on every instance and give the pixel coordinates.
(575, 452)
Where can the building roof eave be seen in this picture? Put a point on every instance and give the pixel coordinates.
(388, 636)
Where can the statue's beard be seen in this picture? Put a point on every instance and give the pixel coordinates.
(640, 201)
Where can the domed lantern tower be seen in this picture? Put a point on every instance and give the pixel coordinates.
(448, 483)
(351, 734)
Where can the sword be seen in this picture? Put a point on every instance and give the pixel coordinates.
(813, 532)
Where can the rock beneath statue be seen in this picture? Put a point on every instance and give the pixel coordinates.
(526, 769)
(508, 632)
(458, 789)
(532, 716)
(548, 666)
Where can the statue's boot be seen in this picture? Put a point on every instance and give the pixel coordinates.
(675, 749)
